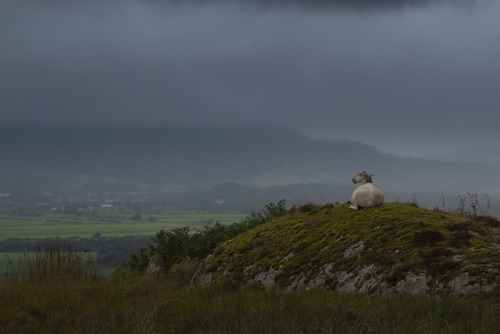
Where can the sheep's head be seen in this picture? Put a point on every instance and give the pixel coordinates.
(362, 177)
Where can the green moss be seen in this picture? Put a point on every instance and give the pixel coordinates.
(397, 238)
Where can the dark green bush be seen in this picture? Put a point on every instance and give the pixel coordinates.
(178, 245)
(427, 237)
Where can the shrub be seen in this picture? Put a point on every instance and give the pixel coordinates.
(309, 208)
(469, 225)
(427, 237)
(182, 272)
(177, 245)
(437, 255)
(472, 205)
(489, 221)
(459, 239)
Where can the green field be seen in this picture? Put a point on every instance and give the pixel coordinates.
(63, 226)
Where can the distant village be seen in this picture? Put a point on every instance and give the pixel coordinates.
(71, 203)
(92, 204)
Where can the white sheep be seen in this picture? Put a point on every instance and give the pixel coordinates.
(366, 194)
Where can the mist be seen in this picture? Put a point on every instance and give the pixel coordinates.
(412, 78)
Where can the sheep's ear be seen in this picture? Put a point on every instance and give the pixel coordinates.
(371, 174)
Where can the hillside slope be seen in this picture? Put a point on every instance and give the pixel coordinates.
(393, 248)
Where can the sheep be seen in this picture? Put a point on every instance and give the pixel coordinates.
(366, 194)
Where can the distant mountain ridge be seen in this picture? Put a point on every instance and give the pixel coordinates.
(79, 157)
(487, 154)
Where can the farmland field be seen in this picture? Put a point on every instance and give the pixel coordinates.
(107, 225)
(111, 225)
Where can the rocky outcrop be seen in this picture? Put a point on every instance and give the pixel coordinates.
(391, 249)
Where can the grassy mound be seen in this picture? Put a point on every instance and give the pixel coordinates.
(392, 248)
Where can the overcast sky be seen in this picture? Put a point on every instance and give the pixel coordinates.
(410, 77)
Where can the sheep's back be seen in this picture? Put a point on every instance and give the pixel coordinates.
(367, 195)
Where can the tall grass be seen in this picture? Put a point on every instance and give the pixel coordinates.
(56, 290)
(56, 262)
(148, 304)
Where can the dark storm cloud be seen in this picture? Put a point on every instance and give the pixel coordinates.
(318, 4)
(412, 76)
(324, 4)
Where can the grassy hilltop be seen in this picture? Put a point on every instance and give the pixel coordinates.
(392, 248)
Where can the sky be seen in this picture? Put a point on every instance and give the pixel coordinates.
(411, 77)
